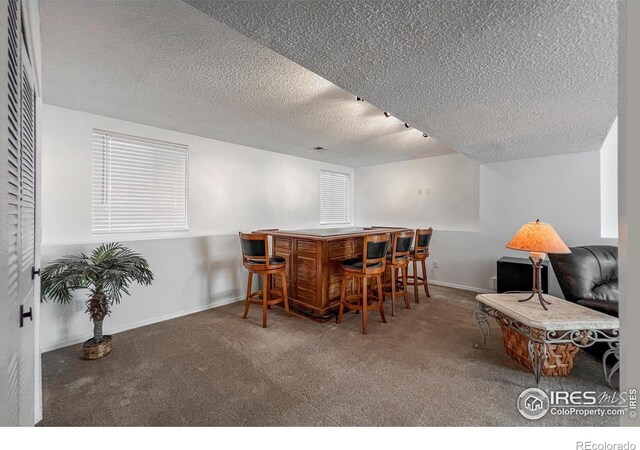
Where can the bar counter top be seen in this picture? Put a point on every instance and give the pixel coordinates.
(328, 234)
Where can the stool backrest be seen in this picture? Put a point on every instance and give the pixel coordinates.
(401, 246)
(374, 249)
(423, 239)
(255, 246)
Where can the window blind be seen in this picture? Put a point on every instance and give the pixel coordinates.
(334, 197)
(138, 184)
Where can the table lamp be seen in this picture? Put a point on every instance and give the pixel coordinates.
(538, 238)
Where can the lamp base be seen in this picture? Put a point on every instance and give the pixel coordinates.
(540, 298)
(536, 259)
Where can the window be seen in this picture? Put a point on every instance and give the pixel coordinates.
(138, 184)
(334, 197)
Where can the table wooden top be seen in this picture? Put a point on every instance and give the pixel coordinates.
(329, 234)
(562, 315)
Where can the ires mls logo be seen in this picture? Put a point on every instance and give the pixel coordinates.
(533, 403)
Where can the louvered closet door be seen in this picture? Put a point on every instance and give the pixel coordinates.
(13, 223)
(27, 238)
(20, 225)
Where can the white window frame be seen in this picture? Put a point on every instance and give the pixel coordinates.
(100, 190)
(347, 179)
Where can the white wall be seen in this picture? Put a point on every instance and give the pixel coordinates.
(441, 191)
(609, 182)
(561, 190)
(231, 188)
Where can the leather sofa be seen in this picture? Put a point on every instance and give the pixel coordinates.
(588, 276)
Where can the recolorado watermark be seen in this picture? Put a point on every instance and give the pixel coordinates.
(589, 445)
(534, 403)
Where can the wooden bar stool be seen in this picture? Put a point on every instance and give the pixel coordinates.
(255, 249)
(419, 254)
(370, 265)
(398, 263)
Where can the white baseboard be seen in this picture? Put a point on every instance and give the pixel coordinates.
(460, 286)
(142, 323)
(38, 416)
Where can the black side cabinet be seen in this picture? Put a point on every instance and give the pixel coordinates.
(516, 274)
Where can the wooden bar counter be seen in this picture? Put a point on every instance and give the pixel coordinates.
(314, 260)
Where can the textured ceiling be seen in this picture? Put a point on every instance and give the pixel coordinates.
(167, 64)
(495, 80)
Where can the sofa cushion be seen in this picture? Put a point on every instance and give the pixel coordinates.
(603, 306)
(587, 272)
(607, 291)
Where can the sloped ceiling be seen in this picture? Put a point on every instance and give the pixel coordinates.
(495, 80)
(167, 64)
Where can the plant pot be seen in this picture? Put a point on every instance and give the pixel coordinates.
(94, 351)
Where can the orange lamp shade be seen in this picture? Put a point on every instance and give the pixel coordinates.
(538, 237)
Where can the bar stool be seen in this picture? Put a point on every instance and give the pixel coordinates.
(370, 265)
(419, 254)
(398, 261)
(255, 248)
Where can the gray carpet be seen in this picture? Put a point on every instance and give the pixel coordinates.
(422, 368)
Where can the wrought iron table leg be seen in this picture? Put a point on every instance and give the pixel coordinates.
(481, 319)
(537, 358)
(614, 349)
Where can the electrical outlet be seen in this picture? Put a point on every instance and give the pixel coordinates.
(79, 305)
(427, 191)
(435, 264)
(419, 191)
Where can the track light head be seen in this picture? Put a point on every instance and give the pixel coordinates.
(406, 125)
(424, 135)
(358, 99)
(386, 114)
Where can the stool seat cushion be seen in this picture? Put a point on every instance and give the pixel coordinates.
(424, 251)
(273, 260)
(356, 263)
(398, 258)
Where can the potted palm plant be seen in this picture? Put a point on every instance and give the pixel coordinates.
(107, 274)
